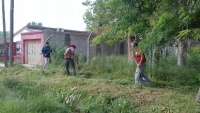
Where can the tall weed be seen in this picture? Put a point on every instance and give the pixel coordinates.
(113, 67)
(168, 70)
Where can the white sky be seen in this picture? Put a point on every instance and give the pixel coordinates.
(66, 14)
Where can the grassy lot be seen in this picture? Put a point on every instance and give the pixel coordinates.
(104, 86)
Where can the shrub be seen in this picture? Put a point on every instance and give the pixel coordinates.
(57, 53)
(11, 83)
(168, 70)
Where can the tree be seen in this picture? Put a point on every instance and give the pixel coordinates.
(157, 22)
(119, 22)
(34, 24)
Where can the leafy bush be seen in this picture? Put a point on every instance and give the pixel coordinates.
(57, 53)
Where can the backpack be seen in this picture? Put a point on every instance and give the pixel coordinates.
(68, 54)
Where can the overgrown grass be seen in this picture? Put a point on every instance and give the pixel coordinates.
(168, 70)
(103, 86)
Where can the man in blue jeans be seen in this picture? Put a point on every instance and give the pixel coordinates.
(70, 56)
(46, 50)
(140, 60)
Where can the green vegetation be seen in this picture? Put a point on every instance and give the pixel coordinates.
(106, 85)
(35, 24)
(157, 22)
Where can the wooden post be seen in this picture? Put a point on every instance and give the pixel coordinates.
(4, 34)
(88, 48)
(11, 33)
(130, 59)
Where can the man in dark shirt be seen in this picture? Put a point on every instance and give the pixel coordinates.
(46, 50)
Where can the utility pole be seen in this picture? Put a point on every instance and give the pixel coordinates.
(4, 34)
(11, 33)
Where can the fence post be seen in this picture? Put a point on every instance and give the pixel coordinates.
(88, 48)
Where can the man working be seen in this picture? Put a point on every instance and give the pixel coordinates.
(69, 57)
(46, 50)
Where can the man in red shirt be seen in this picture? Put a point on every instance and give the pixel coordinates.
(70, 59)
(140, 60)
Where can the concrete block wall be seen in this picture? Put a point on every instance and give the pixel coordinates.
(60, 38)
(80, 40)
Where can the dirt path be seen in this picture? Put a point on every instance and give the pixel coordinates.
(25, 65)
(2, 65)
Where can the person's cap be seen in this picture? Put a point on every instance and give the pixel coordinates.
(134, 44)
(72, 45)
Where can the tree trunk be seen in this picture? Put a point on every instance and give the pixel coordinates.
(182, 52)
(156, 55)
(130, 58)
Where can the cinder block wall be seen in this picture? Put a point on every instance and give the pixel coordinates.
(80, 40)
(60, 38)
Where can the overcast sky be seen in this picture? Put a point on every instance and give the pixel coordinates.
(66, 14)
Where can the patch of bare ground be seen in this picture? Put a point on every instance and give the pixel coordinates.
(144, 97)
(107, 88)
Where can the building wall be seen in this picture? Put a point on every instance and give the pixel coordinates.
(2, 51)
(80, 40)
(60, 38)
(17, 58)
(18, 36)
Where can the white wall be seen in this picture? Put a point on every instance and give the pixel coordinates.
(18, 36)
